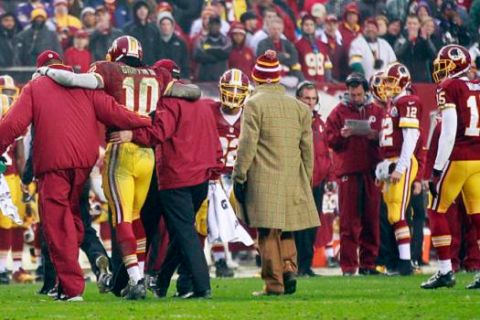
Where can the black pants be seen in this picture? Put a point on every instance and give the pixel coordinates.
(305, 239)
(416, 221)
(91, 245)
(179, 207)
(388, 252)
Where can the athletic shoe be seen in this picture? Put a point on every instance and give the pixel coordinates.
(22, 276)
(104, 281)
(439, 280)
(307, 273)
(134, 291)
(53, 293)
(405, 267)
(264, 293)
(476, 282)
(290, 282)
(332, 262)
(368, 272)
(4, 278)
(222, 270)
(63, 297)
(207, 294)
(349, 274)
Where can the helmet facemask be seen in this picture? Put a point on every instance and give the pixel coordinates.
(233, 96)
(442, 69)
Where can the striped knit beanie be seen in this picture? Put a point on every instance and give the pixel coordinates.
(267, 68)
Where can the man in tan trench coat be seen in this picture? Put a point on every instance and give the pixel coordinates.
(273, 173)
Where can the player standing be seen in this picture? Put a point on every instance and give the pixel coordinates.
(457, 163)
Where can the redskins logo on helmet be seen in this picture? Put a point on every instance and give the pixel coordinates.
(396, 78)
(234, 88)
(125, 46)
(377, 87)
(4, 105)
(8, 87)
(452, 60)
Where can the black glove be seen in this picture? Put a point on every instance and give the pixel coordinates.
(433, 182)
(239, 191)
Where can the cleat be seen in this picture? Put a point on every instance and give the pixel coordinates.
(104, 281)
(53, 293)
(4, 278)
(290, 282)
(22, 276)
(134, 291)
(332, 262)
(222, 270)
(66, 298)
(405, 267)
(207, 294)
(439, 280)
(476, 283)
(368, 272)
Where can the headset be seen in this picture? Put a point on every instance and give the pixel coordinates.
(356, 78)
(304, 84)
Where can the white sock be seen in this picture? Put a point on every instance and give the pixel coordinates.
(404, 250)
(17, 264)
(3, 262)
(445, 266)
(218, 255)
(141, 266)
(329, 252)
(134, 273)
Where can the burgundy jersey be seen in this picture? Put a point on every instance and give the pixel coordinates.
(11, 163)
(313, 58)
(229, 134)
(137, 88)
(405, 112)
(464, 96)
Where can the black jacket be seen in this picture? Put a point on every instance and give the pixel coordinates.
(8, 50)
(101, 42)
(32, 42)
(175, 49)
(212, 57)
(417, 57)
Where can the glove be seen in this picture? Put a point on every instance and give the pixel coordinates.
(434, 179)
(3, 165)
(239, 191)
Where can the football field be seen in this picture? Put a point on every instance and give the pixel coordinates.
(374, 297)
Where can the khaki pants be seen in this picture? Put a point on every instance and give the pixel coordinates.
(279, 255)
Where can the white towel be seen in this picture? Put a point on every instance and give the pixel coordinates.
(6, 204)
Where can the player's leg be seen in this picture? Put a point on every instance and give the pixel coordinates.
(5, 244)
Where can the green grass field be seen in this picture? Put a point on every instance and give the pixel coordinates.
(320, 298)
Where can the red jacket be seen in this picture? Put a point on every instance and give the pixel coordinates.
(79, 60)
(355, 154)
(322, 163)
(242, 58)
(65, 123)
(187, 145)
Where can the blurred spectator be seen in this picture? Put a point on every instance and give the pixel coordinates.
(36, 39)
(119, 14)
(8, 31)
(451, 25)
(286, 53)
(78, 56)
(250, 21)
(333, 39)
(171, 46)
(429, 28)
(368, 53)
(211, 52)
(371, 8)
(269, 14)
(350, 27)
(200, 25)
(416, 51)
(88, 19)
(313, 54)
(184, 11)
(241, 56)
(397, 9)
(394, 29)
(104, 34)
(65, 24)
(144, 31)
(382, 23)
(475, 15)
(475, 55)
(289, 24)
(319, 12)
(423, 11)
(24, 10)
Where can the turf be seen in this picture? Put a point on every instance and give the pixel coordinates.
(377, 297)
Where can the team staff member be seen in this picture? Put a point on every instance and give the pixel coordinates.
(305, 239)
(65, 150)
(355, 158)
(275, 160)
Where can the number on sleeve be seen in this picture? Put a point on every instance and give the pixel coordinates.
(473, 130)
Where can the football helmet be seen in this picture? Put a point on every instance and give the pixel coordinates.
(8, 87)
(377, 87)
(234, 88)
(396, 78)
(4, 105)
(125, 46)
(452, 60)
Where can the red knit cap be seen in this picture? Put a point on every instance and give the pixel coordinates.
(267, 68)
(46, 56)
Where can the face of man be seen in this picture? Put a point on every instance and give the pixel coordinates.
(357, 95)
(308, 27)
(8, 23)
(142, 13)
(214, 29)
(89, 20)
(238, 38)
(394, 28)
(352, 18)
(61, 10)
(270, 16)
(370, 32)
(276, 30)
(309, 97)
(413, 26)
(251, 25)
(331, 28)
(80, 43)
(166, 27)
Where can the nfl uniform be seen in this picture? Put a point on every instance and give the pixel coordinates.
(314, 59)
(404, 113)
(128, 167)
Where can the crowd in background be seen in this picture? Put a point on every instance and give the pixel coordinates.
(316, 40)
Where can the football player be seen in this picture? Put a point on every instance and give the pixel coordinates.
(398, 141)
(457, 164)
